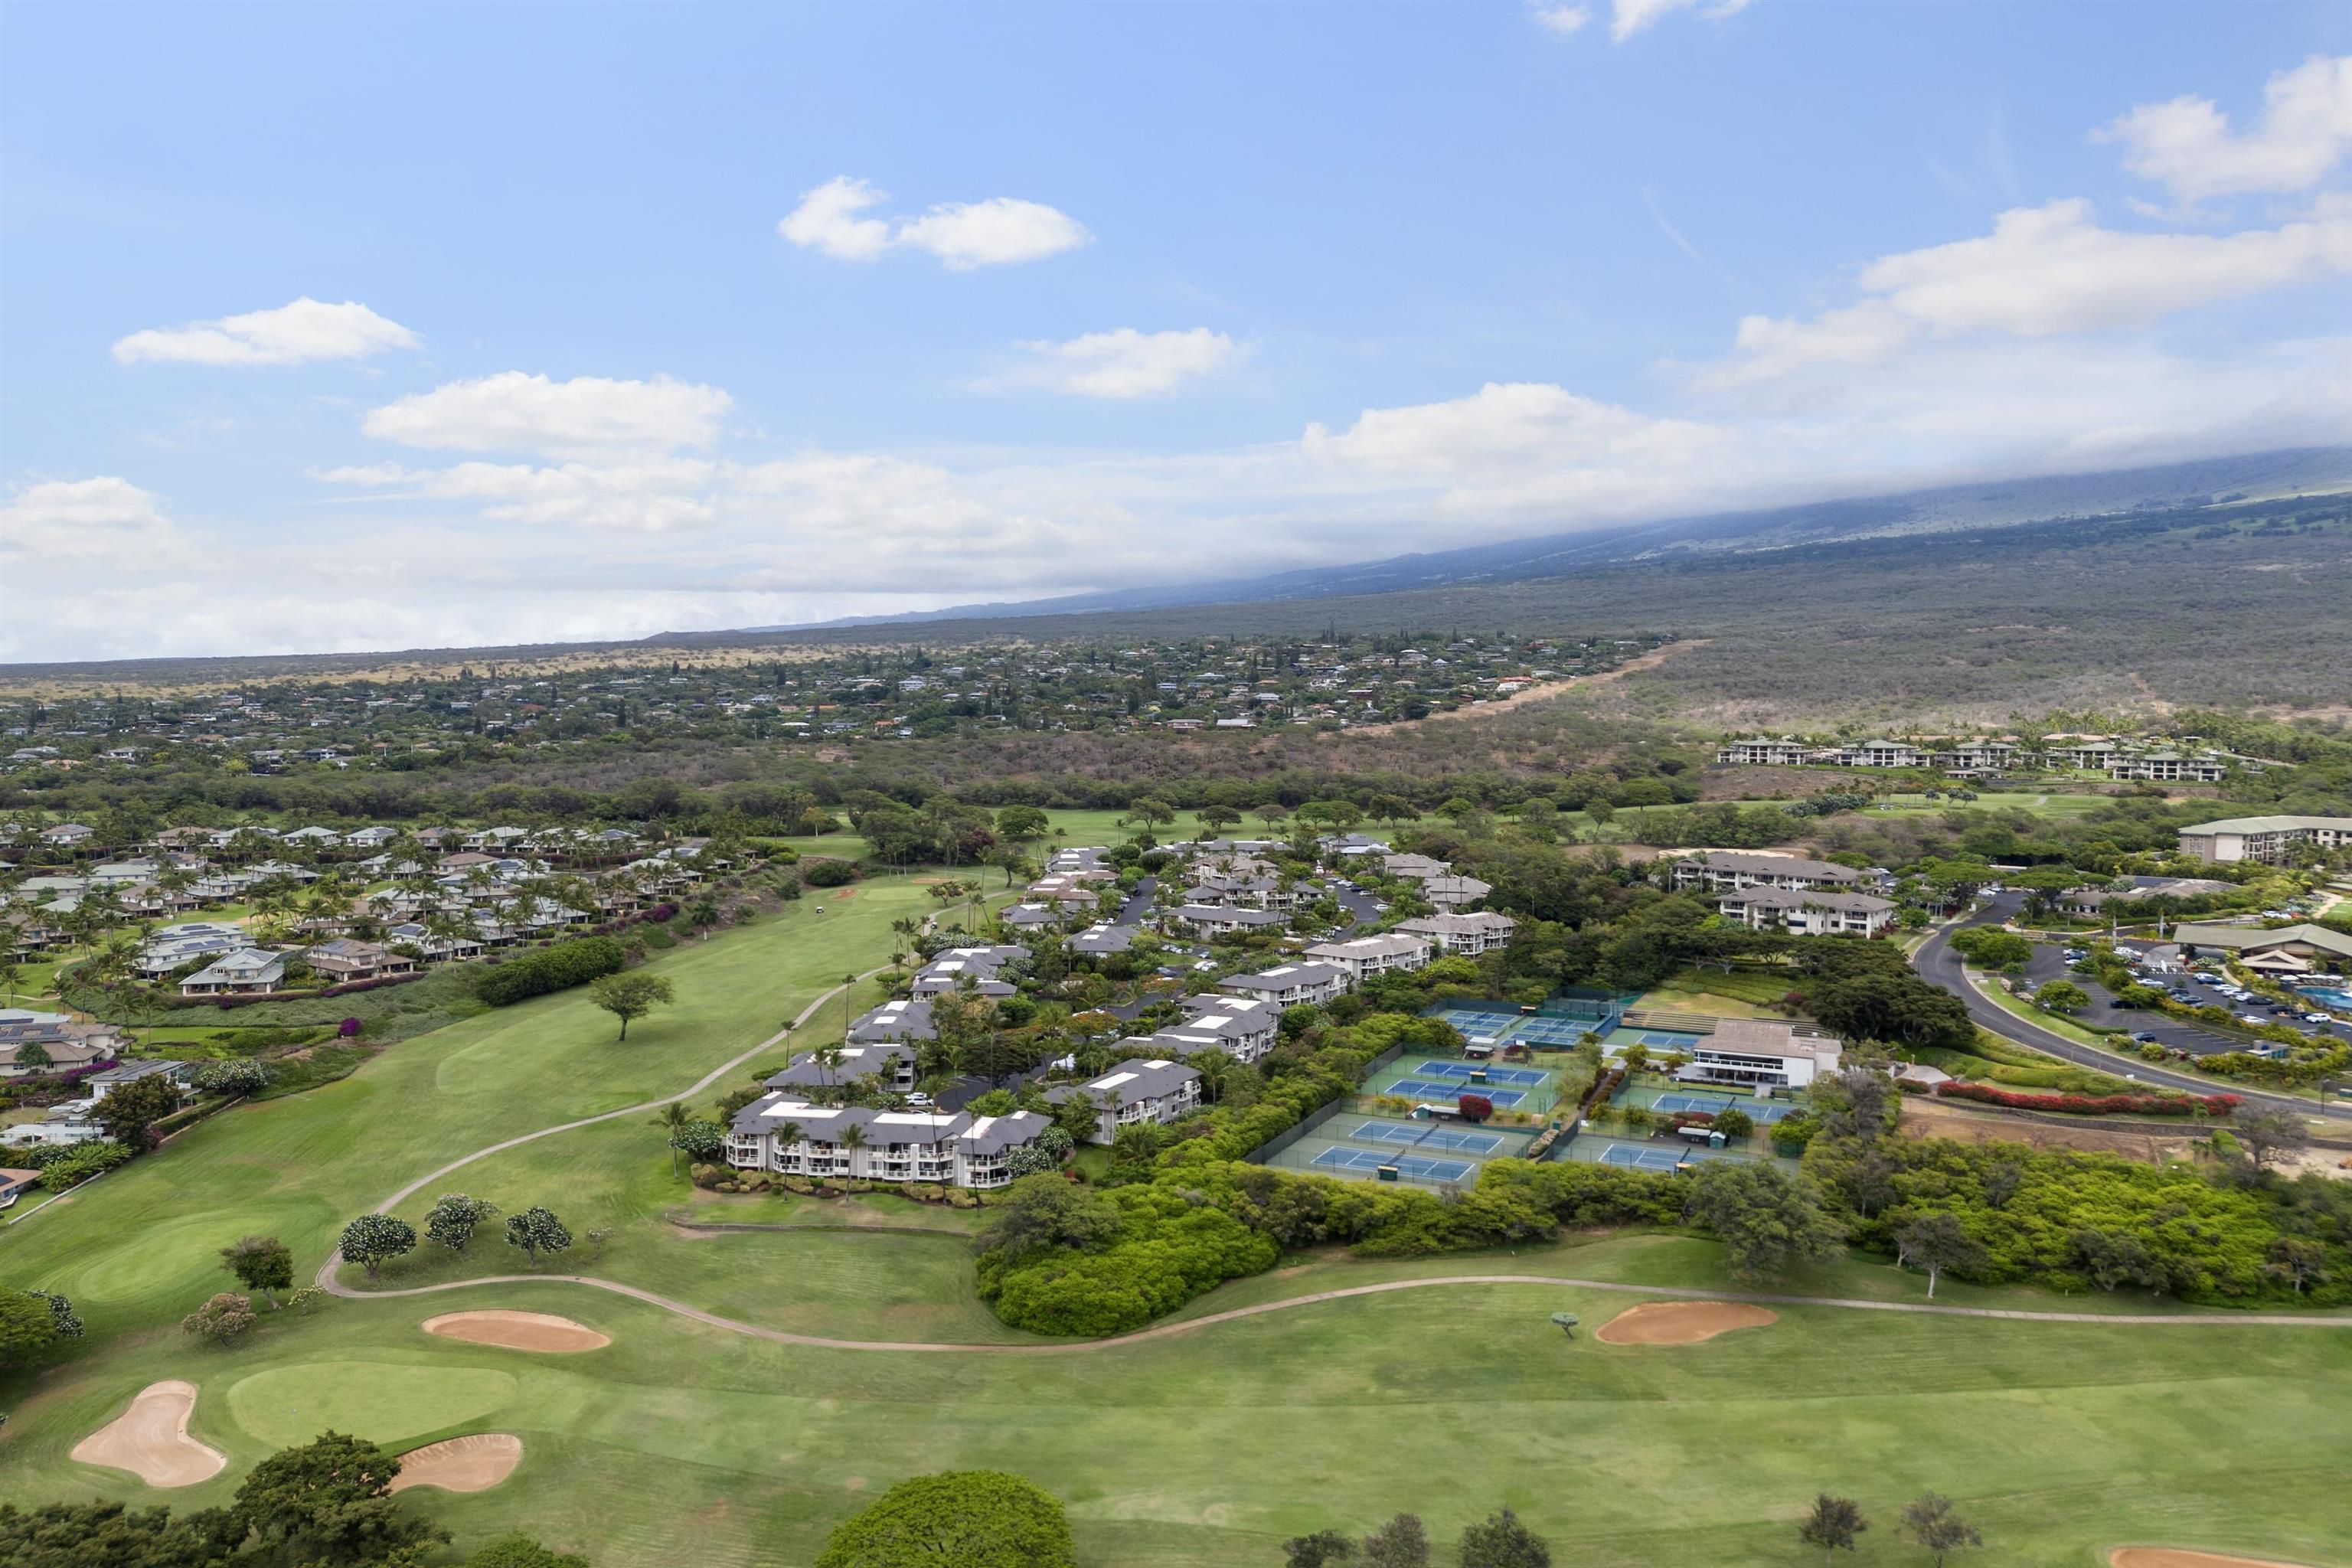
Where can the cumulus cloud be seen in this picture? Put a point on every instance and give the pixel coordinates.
(647, 495)
(1127, 363)
(832, 220)
(1564, 20)
(1631, 15)
(2044, 271)
(298, 334)
(515, 412)
(2189, 145)
(106, 521)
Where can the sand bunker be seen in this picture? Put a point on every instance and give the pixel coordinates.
(2174, 1557)
(472, 1464)
(151, 1439)
(517, 1331)
(1682, 1323)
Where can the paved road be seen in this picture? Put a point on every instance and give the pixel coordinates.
(1937, 961)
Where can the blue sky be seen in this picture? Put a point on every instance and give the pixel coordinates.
(333, 327)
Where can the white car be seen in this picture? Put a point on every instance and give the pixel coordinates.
(917, 1100)
(2317, 1018)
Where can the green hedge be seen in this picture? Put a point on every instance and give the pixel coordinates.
(557, 968)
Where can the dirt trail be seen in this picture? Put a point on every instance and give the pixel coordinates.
(1548, 689)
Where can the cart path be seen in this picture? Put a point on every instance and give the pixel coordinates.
(1166, 1330)
(325, 1279)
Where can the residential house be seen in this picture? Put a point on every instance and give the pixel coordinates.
(1135, 1093)
(1413, 868)
(1102, 940)
(68, 1045)
(102, 1084)
(345, 961)
(248, 972)
(1244, 1028)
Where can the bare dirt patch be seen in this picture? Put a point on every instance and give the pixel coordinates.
(2175, 1557)
(1542, 692)
(151, 1439)
(1681, 1322)
(1934, 1119)
(517, 1331)
(470, 1464)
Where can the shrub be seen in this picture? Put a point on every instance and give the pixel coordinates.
(828, 873)
(556, 968)
(966, 1518)
(1475, 1108)
(240, 1076)
(71, 1166)
(224, 1320)
(2095, 1104)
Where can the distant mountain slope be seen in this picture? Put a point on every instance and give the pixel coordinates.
(2311, 470)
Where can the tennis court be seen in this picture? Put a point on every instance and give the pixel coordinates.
(1414, 1167)
(1763, 1112)
(1643, 1157)
(1445, 1138)
(1478, 1023)
(1466, 1070)
(1554, 1032)
(1430, 1150)
(1452, 1090)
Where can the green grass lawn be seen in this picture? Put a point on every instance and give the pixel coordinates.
(1199, 1450)
(2058, 1441)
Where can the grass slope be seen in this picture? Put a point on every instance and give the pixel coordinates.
(2058, 1440)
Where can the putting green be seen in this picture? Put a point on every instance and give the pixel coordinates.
(383, 1404)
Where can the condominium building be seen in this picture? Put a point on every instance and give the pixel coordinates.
(1135, 1093)
(1808, 914)
(2264, 838)
(1732, 869)
(786, 1134)
(1290, 985)
(1469, 935)
(1365, 956)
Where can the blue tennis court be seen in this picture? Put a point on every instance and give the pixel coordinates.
(1554, 1031)
(1705, 1104)
(1427, 1137)
(1494, 1075)
(1636, 1157)
(1429, 1088)
(1657, 1040)
(1411, 1167)
(1477, 1020)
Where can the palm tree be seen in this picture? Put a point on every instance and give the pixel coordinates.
(852, 1139)
(828, 1061)
(786, 1134)
(1216, 1070)
(673, 1117)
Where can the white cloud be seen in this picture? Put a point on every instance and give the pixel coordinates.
(2187, 146)
(298, 334)
(1631, 15)
(515, 412)
(1561, 19)
(1127, 363)
(963, 235)
(647, 495)
(2044, 271)
(106, 521)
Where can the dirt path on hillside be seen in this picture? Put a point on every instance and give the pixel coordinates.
(1547, 691)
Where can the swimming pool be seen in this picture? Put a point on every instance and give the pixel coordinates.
(2327, 996)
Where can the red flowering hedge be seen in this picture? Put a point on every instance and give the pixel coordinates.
(2095, 1104)
(1474, 1107)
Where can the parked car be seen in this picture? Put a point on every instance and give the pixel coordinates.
(2143, 1037)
